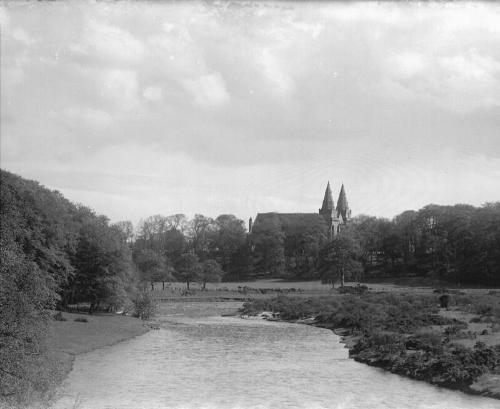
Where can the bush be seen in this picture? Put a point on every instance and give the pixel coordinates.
(58, 316)
(144, 306)
(444, 301)
(81, 319)
(358, 289)
(426, 341)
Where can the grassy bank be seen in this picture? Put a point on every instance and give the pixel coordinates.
(74, 336)
(409, 334)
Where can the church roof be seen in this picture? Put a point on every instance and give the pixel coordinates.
(289, 222)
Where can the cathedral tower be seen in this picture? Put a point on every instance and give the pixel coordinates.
(343, 210)
(328, 212)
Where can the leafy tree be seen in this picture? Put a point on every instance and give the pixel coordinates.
(26, 292)
(103, 265)
(339, 260)
(126, 229)
(188, 268)
(153, 267)
(267, 241)
(177, 222)
(231, 235)
(210, 272)
(203, 232)
(46, 245)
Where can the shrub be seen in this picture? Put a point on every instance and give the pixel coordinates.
(358, 289)
(58, 316)
(81, 319)
(426, 341)
(455, 328)
(444, 300)
(144, 306)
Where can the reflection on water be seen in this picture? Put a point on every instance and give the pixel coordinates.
(226, 362)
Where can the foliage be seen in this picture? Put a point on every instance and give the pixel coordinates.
(210, 272)
(389, 334)
(144, 305)
(459, 244)
(189, 268)
(288, 245)
(153, 267)
(103, 266)
(51, 252)
(268, 247)
(170, 237)
(338, 260)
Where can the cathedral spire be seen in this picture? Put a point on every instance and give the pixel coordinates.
(342, 205)
(328, 206)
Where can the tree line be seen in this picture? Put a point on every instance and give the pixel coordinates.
(457, 244)
(52, 253)
(174, 248)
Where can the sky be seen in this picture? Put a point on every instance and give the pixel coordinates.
(137, 108)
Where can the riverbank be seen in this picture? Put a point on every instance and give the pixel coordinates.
(408, 334)
(80, 333)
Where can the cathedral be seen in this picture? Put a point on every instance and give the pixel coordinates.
(329, 217)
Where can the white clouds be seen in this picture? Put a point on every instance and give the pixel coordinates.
(274, 70)
(277, 95)
(88, 117)
(471, 67)
(407, 64)
(207, 90)
(152, 93)
(104, 41)
(120, 87)
(23, 37)
(4, 17)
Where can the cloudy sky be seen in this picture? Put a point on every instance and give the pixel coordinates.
(140, 108)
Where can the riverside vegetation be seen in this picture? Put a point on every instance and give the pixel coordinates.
(409, 334)
(57, 255)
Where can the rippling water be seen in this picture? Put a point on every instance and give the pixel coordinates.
(226, 362)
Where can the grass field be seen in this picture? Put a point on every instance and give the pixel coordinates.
(73, 337)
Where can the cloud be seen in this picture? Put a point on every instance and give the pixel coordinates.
(107, 42)
(274, 70)
(4, 17)
(152, 93)
(120, 87)
(23, 37)
(207, 90)
(87, 117)
(407, 64)
(280, 96)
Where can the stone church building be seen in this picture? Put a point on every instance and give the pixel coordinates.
(329, 217)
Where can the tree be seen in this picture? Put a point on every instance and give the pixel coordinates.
(203, 232)
(339, 260)
(230, 236)
(153, 267)
(177, 222)
(210, 272)
(188, 268)
(267, 241)
(52, 253)
(127, 230)
(103, 265)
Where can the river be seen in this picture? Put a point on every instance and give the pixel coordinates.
(228, 362)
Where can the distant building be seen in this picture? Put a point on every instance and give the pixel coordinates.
(329, 217)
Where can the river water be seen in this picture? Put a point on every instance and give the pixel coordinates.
(228, 362)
